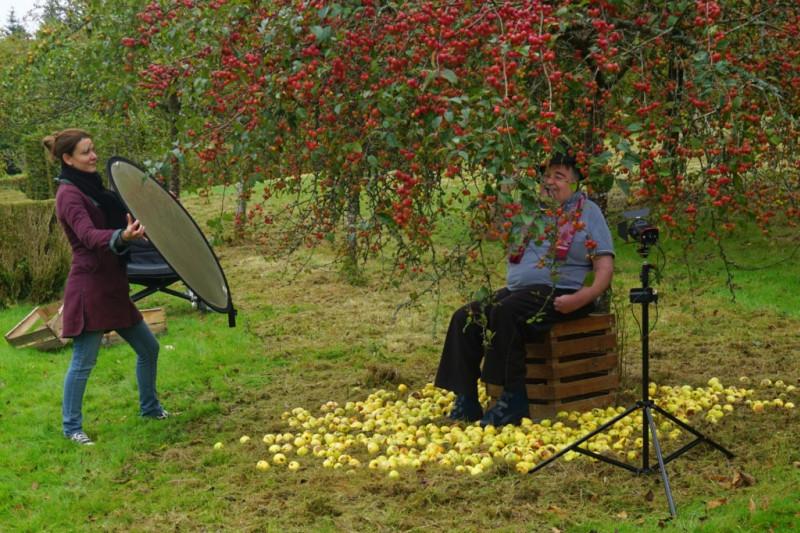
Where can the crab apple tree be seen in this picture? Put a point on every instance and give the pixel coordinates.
(382, 120)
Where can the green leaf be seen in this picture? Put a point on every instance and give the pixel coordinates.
(630, 161)
(481, 294)
(701, 57)
(321, 34)
(385, 219)
(449, 75)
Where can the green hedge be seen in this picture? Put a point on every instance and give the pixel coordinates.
(34, 253)
(39, 169)
(18, 182)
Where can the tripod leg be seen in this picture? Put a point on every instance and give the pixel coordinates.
(693, 431)
(576, 445)
(660, 457)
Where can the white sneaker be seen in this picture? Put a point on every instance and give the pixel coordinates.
(81, 438)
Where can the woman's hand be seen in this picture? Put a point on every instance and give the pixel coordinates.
(134, 231)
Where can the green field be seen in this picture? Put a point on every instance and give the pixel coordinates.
(305, 337)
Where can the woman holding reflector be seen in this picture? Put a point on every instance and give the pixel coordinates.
(96, 299)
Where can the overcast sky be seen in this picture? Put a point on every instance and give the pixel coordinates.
(21, 9)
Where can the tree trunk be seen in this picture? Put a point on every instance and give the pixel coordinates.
(241, 205)
(174, 110)
(350, 268)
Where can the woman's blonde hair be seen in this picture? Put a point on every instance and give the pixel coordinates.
(63, 142)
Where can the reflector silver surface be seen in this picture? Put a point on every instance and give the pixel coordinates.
(173, 232)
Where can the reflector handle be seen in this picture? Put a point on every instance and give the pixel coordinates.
(232, 318)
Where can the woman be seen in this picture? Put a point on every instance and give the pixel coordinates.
(96, 299)
(545, 283)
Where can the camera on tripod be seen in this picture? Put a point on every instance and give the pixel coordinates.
(638, 228)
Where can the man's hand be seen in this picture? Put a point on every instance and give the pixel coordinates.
(603, 267)
(134, 231)
(567, 303)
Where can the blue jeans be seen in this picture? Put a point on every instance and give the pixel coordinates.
(84, 357)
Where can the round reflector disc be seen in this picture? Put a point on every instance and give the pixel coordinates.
(173, 232)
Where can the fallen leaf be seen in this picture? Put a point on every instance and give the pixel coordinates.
(555, 530)
(752, 505)
(742, 479)
(623, 515)
(649, 496)
(557, 510)
(34, 485)
(796, 464)
(713, 504)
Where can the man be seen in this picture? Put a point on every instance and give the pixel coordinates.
(544, 284)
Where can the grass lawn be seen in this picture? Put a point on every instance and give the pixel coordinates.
(305, 337)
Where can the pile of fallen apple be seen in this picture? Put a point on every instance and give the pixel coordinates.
(393, 431)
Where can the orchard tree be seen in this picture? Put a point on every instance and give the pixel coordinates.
(372, 114)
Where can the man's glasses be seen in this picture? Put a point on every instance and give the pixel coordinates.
(559, 177)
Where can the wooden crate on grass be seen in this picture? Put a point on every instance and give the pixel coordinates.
(156, 319)
(41, 328)
(571, 367)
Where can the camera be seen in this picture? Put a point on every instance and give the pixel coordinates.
(637, 228)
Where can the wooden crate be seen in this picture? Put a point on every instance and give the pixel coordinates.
(156, 319)
(41, 328)
(571, 367)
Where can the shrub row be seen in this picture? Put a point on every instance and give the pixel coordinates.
(34, 253)
(40, 170)
(18, 182)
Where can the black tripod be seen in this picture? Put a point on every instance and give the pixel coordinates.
(644, 296)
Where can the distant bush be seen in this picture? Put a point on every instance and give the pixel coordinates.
(18, 182)
(34, 253)
(40, 171)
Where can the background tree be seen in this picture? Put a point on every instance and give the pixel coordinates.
(14, 27)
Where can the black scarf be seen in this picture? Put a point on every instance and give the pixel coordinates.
(91, 184)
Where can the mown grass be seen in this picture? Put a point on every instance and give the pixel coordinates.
(305, 336)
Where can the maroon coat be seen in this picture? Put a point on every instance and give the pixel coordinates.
(96, 297)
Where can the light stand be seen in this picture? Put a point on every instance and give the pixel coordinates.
(644, 296)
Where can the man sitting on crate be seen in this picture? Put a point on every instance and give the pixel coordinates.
(545, 284)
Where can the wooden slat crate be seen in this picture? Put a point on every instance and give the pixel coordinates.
(156, 320)
(571, 367)
(41, 328)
